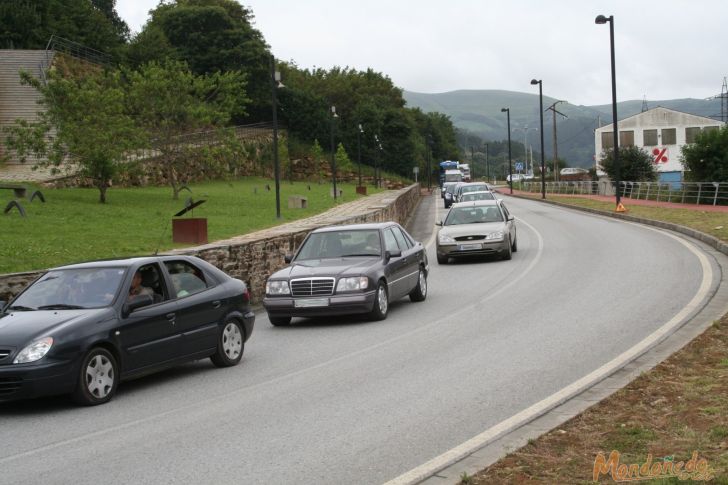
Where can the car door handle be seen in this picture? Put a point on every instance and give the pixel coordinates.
(216, 304)
(171, 317)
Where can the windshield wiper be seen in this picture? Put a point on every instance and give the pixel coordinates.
(20, 308)
(363, 254)
(61, 306)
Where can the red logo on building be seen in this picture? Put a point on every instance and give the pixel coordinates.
(661, 155)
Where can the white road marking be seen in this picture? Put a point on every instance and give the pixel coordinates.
(517, 420)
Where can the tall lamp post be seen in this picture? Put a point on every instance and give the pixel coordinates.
(275, 78)
(358, 142)
(510, 164)
(333, 149)
(429, 162)
(487, 168)
(377, 173)
(601, 19)
(543, 163)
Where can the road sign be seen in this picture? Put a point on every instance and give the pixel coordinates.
(519, 166)
(415, 170)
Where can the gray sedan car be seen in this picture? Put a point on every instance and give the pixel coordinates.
(342, 270)
(482, 227)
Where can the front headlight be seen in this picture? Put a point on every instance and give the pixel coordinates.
(445, 239)
(277, 288)
(35, 351)
(352, 284)
(495, 236)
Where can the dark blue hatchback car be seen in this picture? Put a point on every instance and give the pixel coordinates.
(81, 329)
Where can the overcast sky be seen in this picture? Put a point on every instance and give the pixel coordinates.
(665, 49)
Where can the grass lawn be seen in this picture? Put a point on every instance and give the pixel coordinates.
(72, 226)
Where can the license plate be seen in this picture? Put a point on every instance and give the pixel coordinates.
(311, 302)
(466, 247)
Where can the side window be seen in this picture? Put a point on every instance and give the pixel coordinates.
(186, 278)
(505, 211)
(390, 242)
(401, 241)
(147, 280)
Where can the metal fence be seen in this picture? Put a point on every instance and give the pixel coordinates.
(706, 193)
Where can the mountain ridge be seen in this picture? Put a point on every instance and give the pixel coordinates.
(479, 112)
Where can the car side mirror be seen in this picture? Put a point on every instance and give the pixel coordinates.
(3, 303)
(438, 223)
(135, 303)
(392, 254)
(288, 258)
(510, 217)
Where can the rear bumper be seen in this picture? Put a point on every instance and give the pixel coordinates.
(23, 381)
(347, 304)
(248, 324)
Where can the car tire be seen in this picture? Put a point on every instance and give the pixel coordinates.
(508, 254)
(514, 246)
(279, 321)
(420, 291)
(442, 259)
(98, 378)
(230, 345)
(381, 302)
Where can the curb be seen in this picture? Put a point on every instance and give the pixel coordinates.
(496, 442)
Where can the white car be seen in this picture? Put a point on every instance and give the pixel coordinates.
(517, 177)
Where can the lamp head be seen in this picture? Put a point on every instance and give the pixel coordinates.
(503, 110)
(534, 82)
(361, 130)
(601, 19)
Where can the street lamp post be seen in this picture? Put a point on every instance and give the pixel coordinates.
(429, 162)
(358, 142)
(510, 169)
(274, 79)
(487, 168)
(377, 161)
(601, 19)
(543, 163)
(333, 149)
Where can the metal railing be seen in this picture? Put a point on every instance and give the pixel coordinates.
(705, 193)
(79, 51)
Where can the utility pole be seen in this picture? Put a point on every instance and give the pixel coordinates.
(556, 149)
(472, 160)
(487, 167)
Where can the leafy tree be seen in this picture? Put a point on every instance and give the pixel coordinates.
(706, 160)
(172, 104)
(211, 36)
(29, 24)
(84, 124)
(635, 164)
(318, 154)
(342, 158)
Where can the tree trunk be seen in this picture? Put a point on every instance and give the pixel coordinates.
(102, 192)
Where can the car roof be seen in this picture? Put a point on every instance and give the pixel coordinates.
(356, 227)
(474, 183)
(476, 203)
(480, 192)
(122, 262)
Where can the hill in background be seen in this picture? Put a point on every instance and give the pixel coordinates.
(479, 112)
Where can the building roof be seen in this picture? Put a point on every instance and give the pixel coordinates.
(660, 116)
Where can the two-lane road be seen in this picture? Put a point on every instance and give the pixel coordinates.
(347, 400)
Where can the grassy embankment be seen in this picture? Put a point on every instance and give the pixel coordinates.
(679, 407)
(72, 226)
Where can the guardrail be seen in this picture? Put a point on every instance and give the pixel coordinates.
(705, 193)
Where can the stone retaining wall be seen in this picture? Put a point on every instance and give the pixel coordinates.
(253, 257)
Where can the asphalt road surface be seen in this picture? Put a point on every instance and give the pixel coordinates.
(353, 401)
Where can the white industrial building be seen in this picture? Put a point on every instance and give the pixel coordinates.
(662, 132)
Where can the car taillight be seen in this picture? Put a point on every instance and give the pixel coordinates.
(246, 295)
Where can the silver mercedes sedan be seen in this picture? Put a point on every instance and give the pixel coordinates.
(478, 228)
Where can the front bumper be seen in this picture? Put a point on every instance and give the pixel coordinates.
(23, 381)
(343, 304)
(458, 250)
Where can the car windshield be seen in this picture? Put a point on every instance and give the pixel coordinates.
(341, 244)
(473, 215)
(477, 196)
(66, 289)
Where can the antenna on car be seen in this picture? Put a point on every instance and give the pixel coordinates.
(164, 231)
